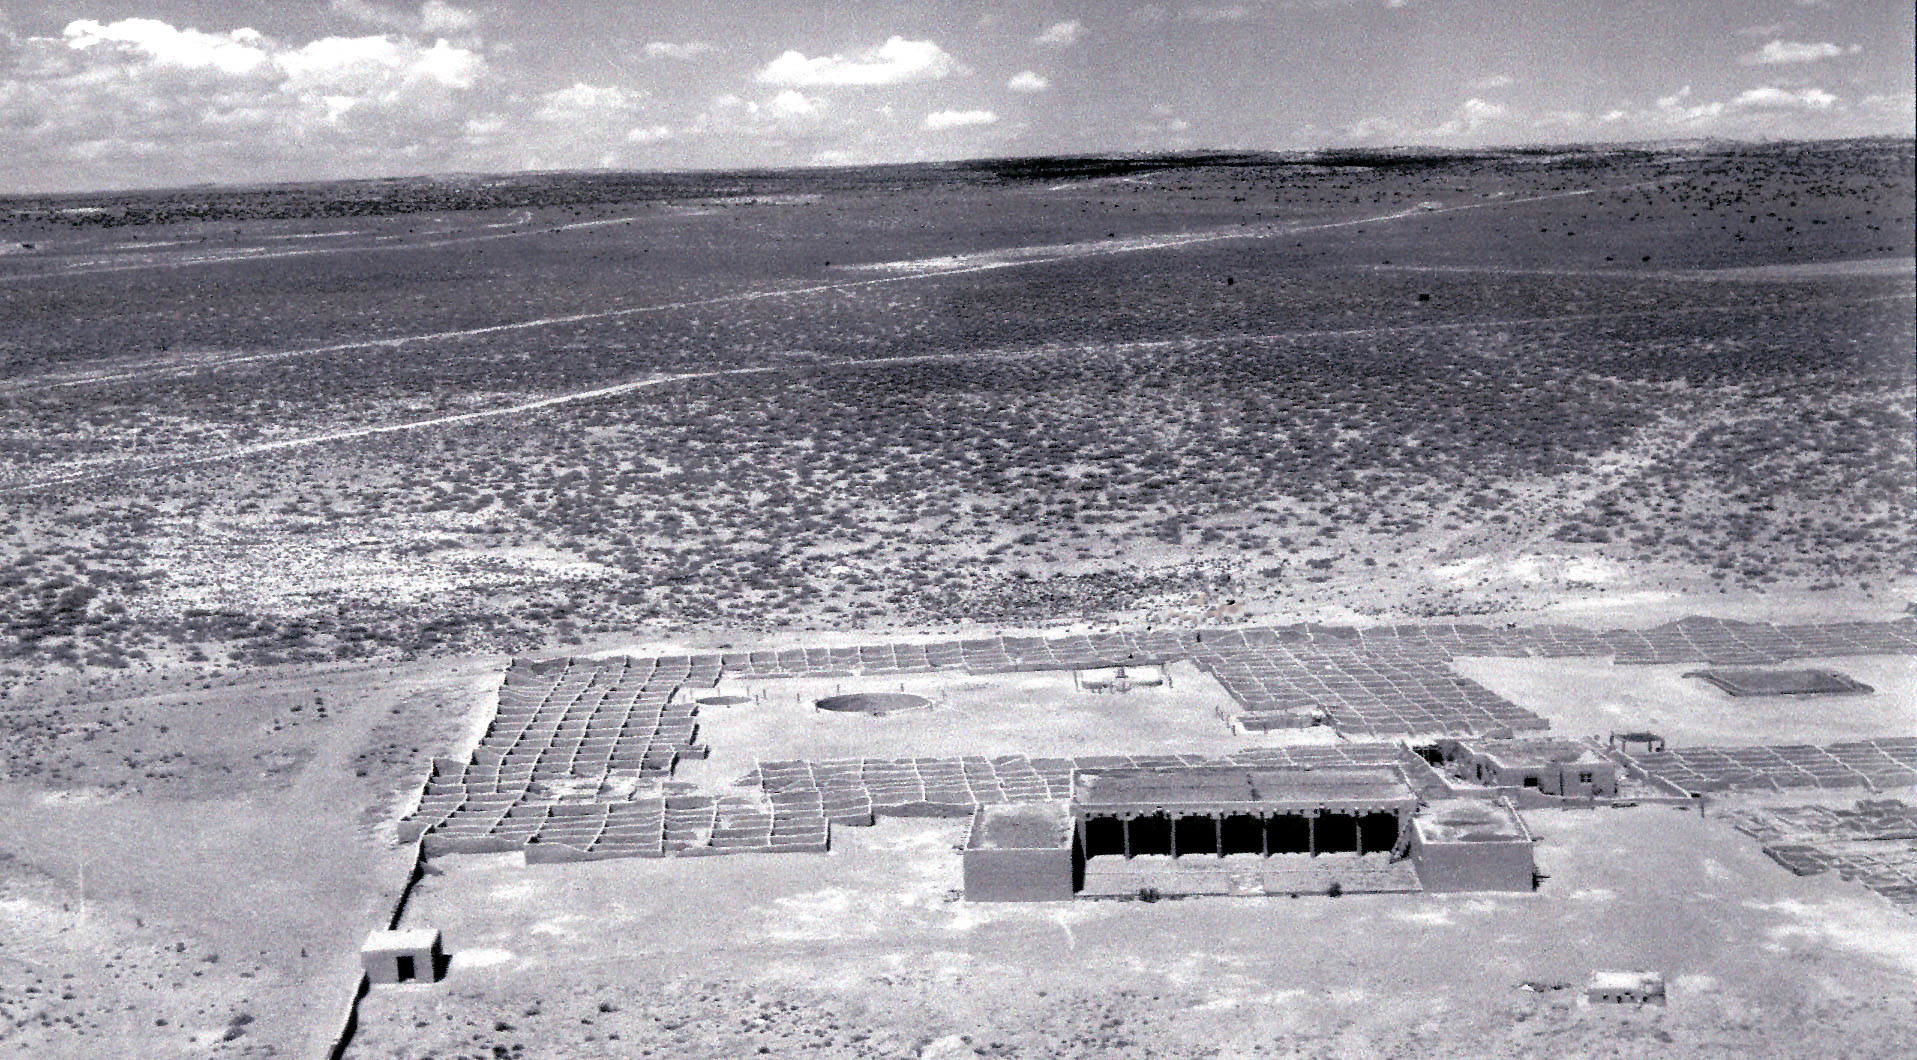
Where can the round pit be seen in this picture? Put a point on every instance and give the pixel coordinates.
(873, 702)
(723, 701)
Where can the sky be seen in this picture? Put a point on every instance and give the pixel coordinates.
(110, 94)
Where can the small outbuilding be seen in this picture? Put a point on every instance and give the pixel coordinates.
(1625, 988)
(412, 955)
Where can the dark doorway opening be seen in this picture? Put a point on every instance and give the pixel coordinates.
(1288, 834)
(1431, 753)
(1337, 833)
(1151, 835)
(1241, 833)
(1530, 782)
(1104, 836)
(1198, 835)
(1380, 831)
(404, 966)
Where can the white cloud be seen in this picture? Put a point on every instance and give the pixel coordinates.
(663, 49)
(1027, 81)
(1771, 97)
(238, 52)
(1675, 109)
(360, 62)
(957, 119)
(434, 16)
(793, 104)
(649, 134)
(1372, 128)
(141, 100)
(1472, 114)
(1480, 110)
(1060, 34)
(1793, 51)
(895, 62)
(1493, 81)
(584, 102)
(789, 115)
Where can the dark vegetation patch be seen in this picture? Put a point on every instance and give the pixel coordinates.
(1104, 434)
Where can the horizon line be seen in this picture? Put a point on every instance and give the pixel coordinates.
(1193, 153)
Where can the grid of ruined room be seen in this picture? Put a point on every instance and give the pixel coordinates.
(1227, 829)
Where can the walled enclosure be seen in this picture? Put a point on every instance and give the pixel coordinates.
(1472, 845)
(1021, 852)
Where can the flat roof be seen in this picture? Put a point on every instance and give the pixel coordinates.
(403, 940)
(1650, 981)
(1536, 752)
(1022, 826)
(1469, 821)
(1216, 785)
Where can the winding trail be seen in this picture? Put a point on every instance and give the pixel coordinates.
(984, 261)
(236, 255)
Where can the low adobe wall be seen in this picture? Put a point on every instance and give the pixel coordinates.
(1498, 866)
(1019, 875)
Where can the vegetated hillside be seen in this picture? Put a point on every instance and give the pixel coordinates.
(1230, 379)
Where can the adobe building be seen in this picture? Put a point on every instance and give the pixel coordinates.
(1552, 767)
(412, 955)
(1244, 830)
(1220, 811)
(1021, 852)
(1472, 845)
(1625, 988)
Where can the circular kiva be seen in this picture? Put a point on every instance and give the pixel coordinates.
(874, 702)
(722, 701)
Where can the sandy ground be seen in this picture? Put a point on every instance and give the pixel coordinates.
(1591, 697)
(183, 920)
(1038, 714)
(864, 952)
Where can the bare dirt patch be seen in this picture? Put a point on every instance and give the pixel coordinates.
(1595, 697)
(859, 954)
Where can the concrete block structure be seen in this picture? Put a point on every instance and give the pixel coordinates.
(1625, 988)
(1552, 767)
(1021, 852)
(412, 955)
(1472, 845)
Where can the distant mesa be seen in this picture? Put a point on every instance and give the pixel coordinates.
(874, 702)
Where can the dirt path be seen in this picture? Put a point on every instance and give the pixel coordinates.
(90, 267)
(1550, 502)
(103, 467)
(986, 261)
